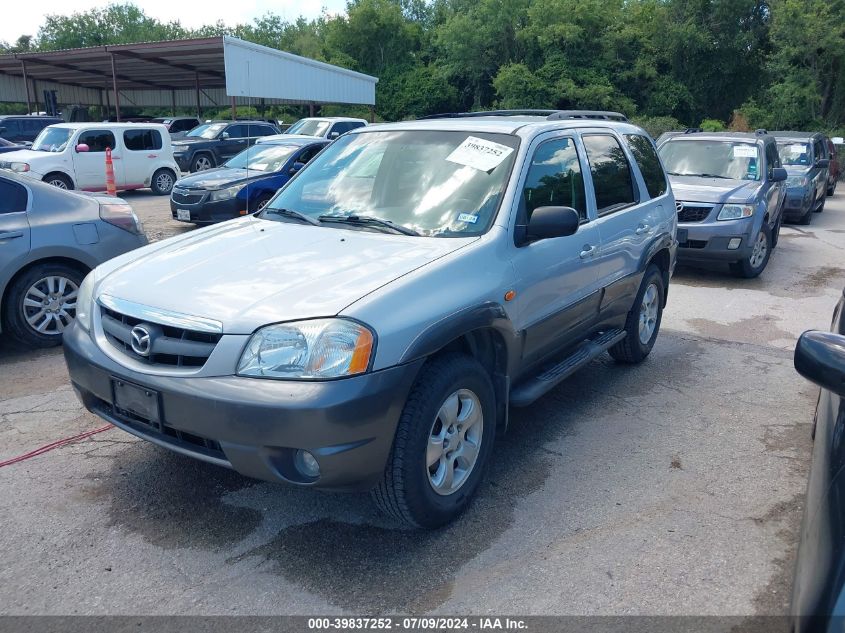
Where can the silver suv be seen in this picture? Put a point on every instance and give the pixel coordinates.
(371, 326)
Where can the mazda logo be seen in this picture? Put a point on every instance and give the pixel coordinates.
(141, 342)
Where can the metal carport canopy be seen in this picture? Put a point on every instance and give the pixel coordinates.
(170, 73)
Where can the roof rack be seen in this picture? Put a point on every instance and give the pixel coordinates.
(693, 130)
(760, 131)
(550, 115)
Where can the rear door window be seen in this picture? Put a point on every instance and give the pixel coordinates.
(96, 140)
(646, 156)
(612, 180)
(142, 140)
(236, 131)
(13, 197)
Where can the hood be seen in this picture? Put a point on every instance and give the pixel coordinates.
(249, 272)
(186, 142)
(798, 170)
(220, 178)
(713, 190)
(26, 156)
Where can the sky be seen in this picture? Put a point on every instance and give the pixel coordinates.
(26, 17)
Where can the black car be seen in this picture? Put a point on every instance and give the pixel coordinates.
(245, 183)
(22, 128)
(212, 144)
(178, 126)
(8, 146)
(819, 591)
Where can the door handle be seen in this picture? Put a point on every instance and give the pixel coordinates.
(588, 251)
(643, 228)
(11, 235)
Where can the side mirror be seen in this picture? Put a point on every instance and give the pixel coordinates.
(548, 222)
(224, 136)
(82, 148)
(779, 174)
(334, 135)
(822, 163)
(296, 167)
(820, 358)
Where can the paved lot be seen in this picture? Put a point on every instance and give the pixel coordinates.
(674, 487)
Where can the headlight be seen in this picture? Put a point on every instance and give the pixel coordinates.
(735, 212)
(797, 181)
(227, 193)
(84, 301)
(19, 167)
(315, 349)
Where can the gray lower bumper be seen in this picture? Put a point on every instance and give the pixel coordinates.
(255, 426)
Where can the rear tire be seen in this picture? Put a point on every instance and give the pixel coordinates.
(442, 445)
(831, 189)
(162, 182)
(643, 322)
(44, 297)
(776, 231)
(58, 180)
(757, 261)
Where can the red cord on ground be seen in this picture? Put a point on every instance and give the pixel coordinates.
(53, 445)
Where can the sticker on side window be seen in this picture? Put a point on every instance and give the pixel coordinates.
(745, 151)
(480, 154)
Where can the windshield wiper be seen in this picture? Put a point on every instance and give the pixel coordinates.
(290, 213)
(368, 219)
(707, 176)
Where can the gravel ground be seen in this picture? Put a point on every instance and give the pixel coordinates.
(673, 487)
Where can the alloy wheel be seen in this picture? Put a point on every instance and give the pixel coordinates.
(49, 304)
(164, 181)
(203, 163)
(758, 253)
(454, 442)
(648, 313)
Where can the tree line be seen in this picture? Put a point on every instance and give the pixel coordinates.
(776, 64)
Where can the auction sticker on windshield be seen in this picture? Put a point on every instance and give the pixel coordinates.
(745, 151)
(480, 154)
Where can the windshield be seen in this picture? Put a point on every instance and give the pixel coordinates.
(794, 153)
(711, 159)
(266, 158)
(52, 139)
(309, 127)
(444, 184)
(208, 130)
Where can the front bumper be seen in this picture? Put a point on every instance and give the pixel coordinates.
(708, 241)
(207, 212)
(255, 426)
(797, 203)
(183, 161)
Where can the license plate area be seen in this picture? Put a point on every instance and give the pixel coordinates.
(183, 214)
(682, 236)
(137, 403)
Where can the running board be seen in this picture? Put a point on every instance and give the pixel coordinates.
(552, 374)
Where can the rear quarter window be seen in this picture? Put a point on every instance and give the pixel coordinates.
(142, 140)
(649, 164)
(13, 197)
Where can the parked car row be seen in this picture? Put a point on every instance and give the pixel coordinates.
(144, 153)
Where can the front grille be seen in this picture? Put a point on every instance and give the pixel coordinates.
(687, 213)
(185, 196)
(171, 346)
(162, 431)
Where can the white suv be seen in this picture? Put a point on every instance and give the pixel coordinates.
(73, 156)
(329, 127)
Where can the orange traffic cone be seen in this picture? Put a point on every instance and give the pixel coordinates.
(111, 189)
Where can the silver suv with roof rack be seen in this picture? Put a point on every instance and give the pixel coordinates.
(371, 327)
(730, 189)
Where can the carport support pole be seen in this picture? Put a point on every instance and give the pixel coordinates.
(372, 114)
(311, 109)
(114, 84)
(234, 110)
(26, 87)
(197, 85)
(173, 102)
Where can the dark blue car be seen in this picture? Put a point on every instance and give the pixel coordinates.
(245, 183)
(8, 146)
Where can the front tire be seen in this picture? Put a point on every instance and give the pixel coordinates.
(201, 162)
(757, 261)
(41, 304)
(59, 180)
(808, 216)
(643, 323)
(162, 182)
(443, 444)
(831, 188)
(821, 205)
